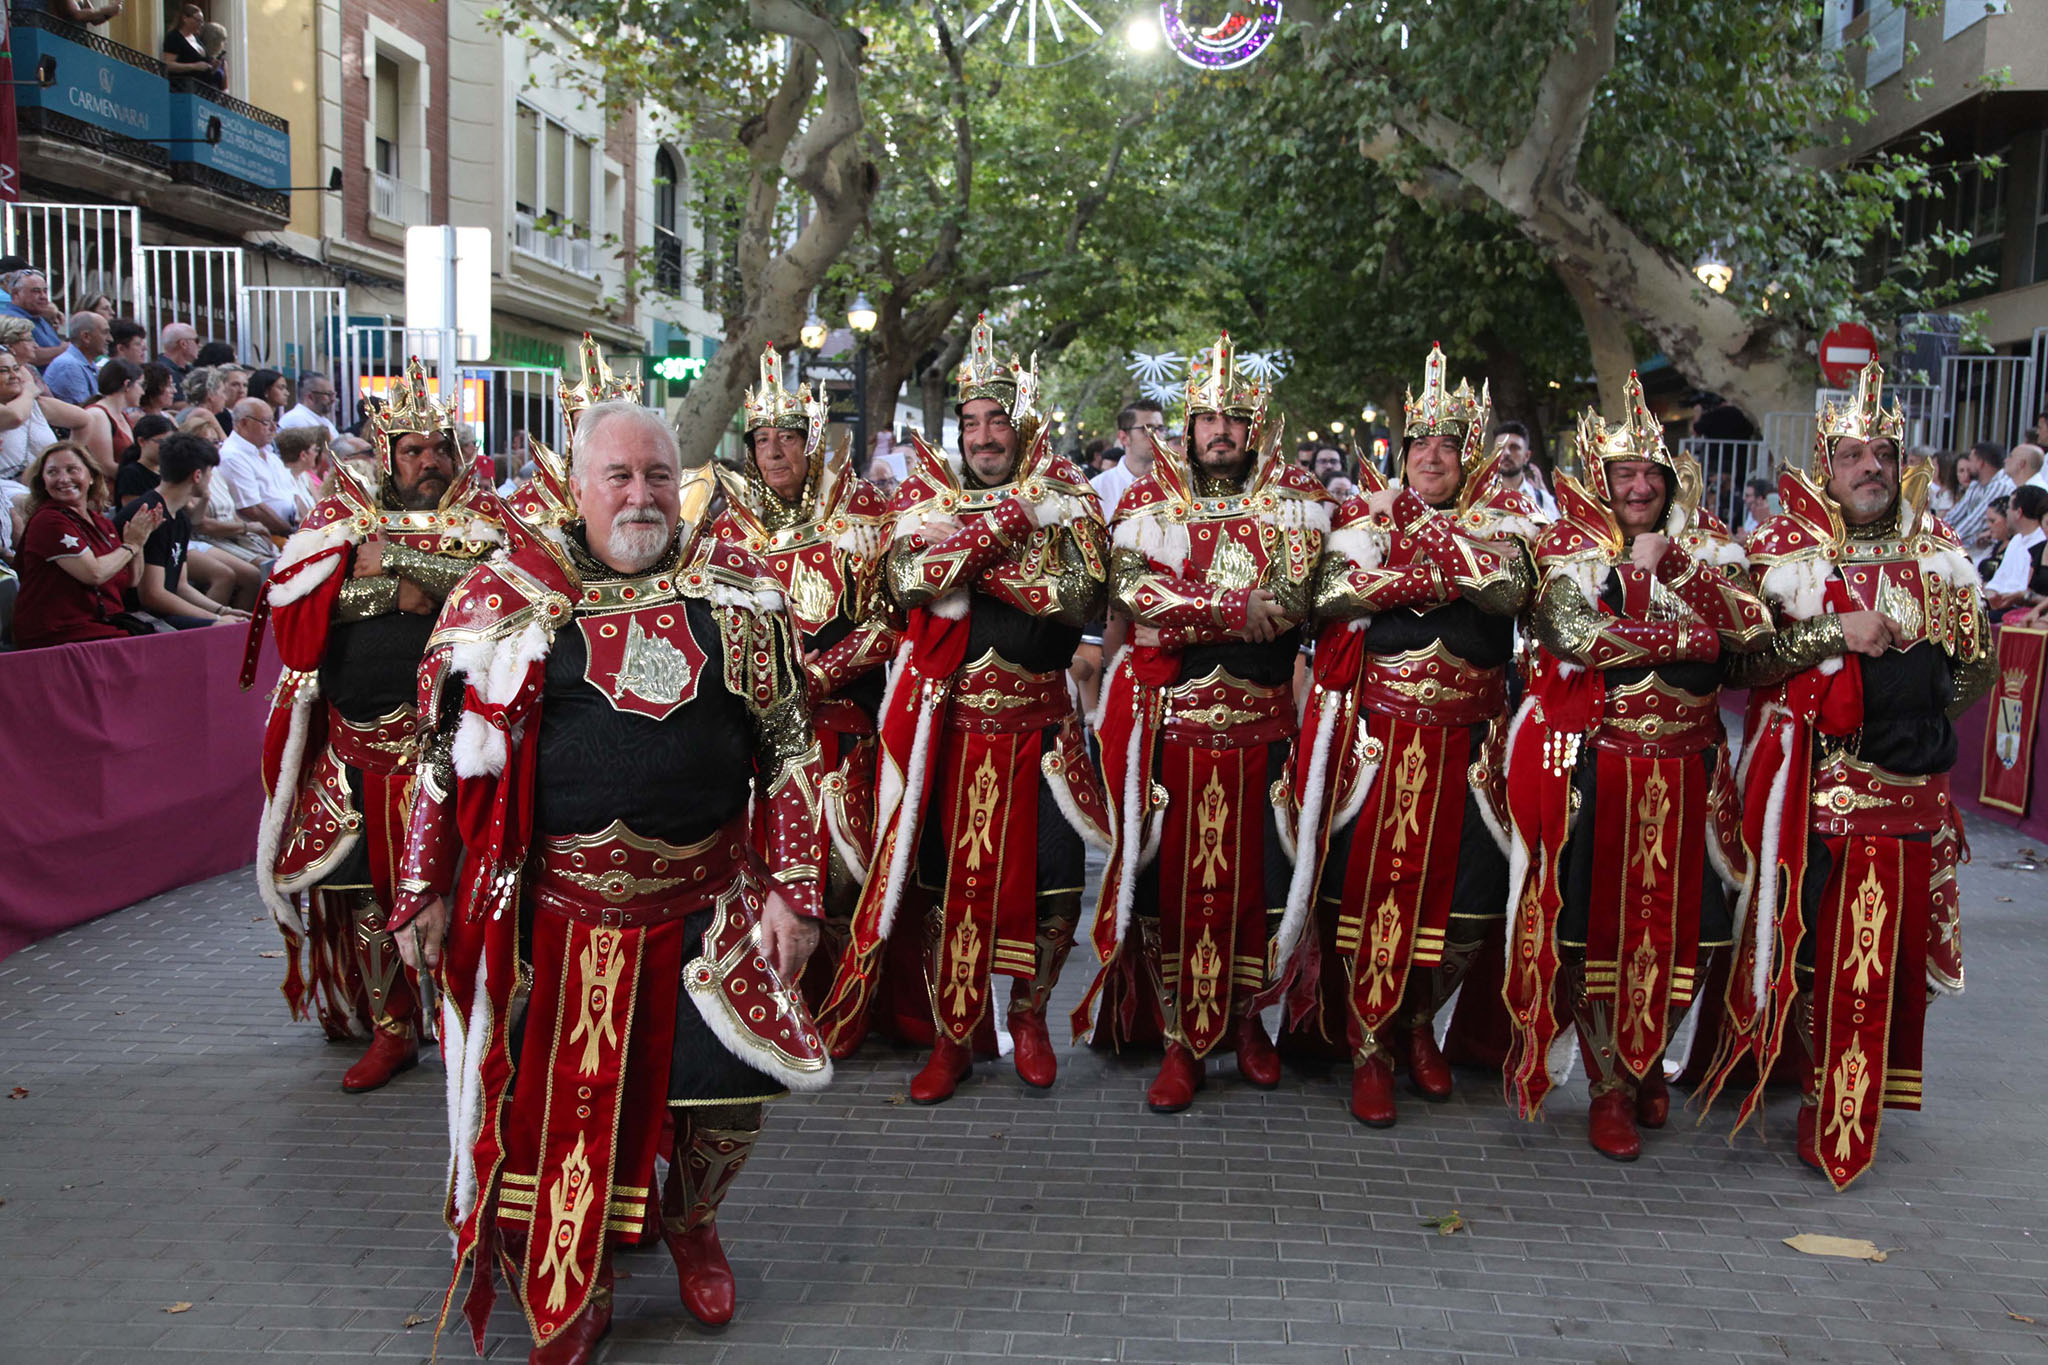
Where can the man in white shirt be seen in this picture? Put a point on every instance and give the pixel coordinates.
(1511, 439)
(2008, 586)
(261, 486)
(315, 407)
(1145, 416)
(2023, 466)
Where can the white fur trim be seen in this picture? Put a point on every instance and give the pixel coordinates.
(1057, 509)
(1589, 574)
(906, 825)
(1301, 514)
(1490, 818)
(465, 1119)
(1308, 841)
(1063, 797)
(744, 1045)
(1128, 850)
(1688, 1033)
(482, 533)
(479, 749)
(278, 809)
(1798, 587)
(1364, 544)
(862, 539)
(304, 545)
(1094, 718)
(764, 599)
(1761, 909)
(1953, 568)
(951, 607)
(1517, 851)
(1508, 527)
(298, 553)
(888, 777)
(1721, 551)
(1163, 542)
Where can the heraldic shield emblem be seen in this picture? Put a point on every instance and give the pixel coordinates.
(2011, 723)
(646, 660)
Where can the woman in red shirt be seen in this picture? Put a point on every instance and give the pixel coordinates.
(73, 563)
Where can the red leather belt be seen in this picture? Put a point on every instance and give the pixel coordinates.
(1859, 798)
(1431, 687)
(996, 699)
(618, 879)
(383, 746)
(842, 717)
(1221, 711)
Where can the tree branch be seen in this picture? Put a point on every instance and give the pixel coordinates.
(1549, 153)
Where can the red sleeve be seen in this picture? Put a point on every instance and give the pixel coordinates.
(44, 535)
(301, 625)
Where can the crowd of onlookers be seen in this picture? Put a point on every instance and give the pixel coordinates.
(142, 492)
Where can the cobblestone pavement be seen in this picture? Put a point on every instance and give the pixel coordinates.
(180, 1143)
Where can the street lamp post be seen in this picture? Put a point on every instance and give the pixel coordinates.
(862, 319)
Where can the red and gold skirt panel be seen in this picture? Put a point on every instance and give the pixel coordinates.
(1397, 891)
(985, 807)
(581, 1128)
(324, 824)
(1869, 994)
(1643, 922)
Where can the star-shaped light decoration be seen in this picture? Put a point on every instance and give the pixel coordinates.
(1033, 15)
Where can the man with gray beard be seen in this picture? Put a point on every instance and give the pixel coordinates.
(623, 764)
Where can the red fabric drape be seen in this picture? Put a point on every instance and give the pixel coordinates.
(130, 768)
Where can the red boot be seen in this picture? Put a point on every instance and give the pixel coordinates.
(1611, 1127)
(1809, 1123)
(577, 1342)
(1036, 1065)
(1428, 1074)
(1257, 1062)
(703, 1275)
(1180, 1076)
(950, 1064)
(1372, 1092)
(389, 1054)
(1653, 1098)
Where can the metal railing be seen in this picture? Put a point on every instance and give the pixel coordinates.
(553, 242)
(201, 285)
(295, 329)
(1986, 398)
(82, 249)
(513, 404)
(394, 199)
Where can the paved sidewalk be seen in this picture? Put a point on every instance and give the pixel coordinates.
(181, 1142)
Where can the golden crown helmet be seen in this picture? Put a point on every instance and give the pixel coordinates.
(1864, 417)
(595, 383)
(771, 405)
(1013, 386)
(1441, 410)
(1215, 386)
(409, 410)
(1637, 436)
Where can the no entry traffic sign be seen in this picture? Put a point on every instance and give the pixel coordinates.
(1846, 350)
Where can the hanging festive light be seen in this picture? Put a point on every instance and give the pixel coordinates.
(1240, 36)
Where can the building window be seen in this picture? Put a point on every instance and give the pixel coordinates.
(1980, 213)
(556, 191)
(668, 237)
(396, 131)
(2041, 217)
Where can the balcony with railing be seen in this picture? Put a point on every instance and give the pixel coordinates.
(554, 241)
(392, 198)
(112, 121)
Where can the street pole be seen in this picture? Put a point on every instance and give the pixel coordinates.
(862, 446)
(451, 381)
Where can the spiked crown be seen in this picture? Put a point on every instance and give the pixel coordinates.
(594, 384)
(1214, 385)
(1441, 410)
(1864, 417)
(409, 410)
(1014, 386)
(771, 405)
(1637, 436)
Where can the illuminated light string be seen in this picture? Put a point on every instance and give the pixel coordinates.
(1162, 374)
(1034, 14)
(1244, 32)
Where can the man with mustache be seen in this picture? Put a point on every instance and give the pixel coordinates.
(1214, 562)
(1882, 639)
(986, 789)
(353, 597)
(818, 528)
(624, 769)
(1416, 597)
(1620, 805)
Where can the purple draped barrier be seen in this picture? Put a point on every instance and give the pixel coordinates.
(127, 768)
(1969, 771)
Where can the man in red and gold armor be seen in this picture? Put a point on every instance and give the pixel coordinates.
(986, 790)
(1618, 786)
(1855, 925)
(624, 774)
(352, 598)
(818, 530)
(1214, 561)
(1416, 601)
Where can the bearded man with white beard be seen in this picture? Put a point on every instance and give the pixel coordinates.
(623, 763)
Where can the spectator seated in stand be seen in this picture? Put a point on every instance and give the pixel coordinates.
(1984, 465)
(273, 388)
(120, 392)
(97, 301)
(177, 348)
(257, 480)
(74, 565)
(2023, 465)
(24, 430)
(139, 472)
(28, 298)
(129, 341)
(159, 391)
(1997, 530)
(1756, 503)
(70, 375)
(206, 390)
(303, 452)
(315, 407)
(217, 353)
(2009, 585)
(161, 587)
